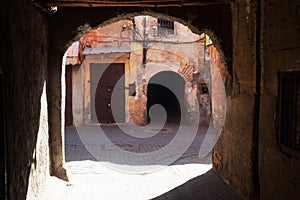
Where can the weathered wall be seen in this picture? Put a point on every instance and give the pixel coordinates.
(111, 35)
(234, 153)
(278, 166)
(181, 52)
(56, 101)
(218, 93)
(24, 59)
(183, 58)
(159, 52)
(39, 171)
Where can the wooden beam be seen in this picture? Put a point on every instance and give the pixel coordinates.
(134, 3)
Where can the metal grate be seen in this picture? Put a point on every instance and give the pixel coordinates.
(165, 26)
(289, 111)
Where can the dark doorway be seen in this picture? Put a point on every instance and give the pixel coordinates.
(2, 140)
(167, 89)
(69, 111)
(107, 93)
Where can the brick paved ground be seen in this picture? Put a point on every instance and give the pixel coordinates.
(124, 168)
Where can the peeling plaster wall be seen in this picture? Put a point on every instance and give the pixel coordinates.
(181, 58)
(218, 93)
(279, 166)
(181, 51)
(24, 60)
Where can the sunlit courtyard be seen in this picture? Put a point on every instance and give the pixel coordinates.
(97, 170)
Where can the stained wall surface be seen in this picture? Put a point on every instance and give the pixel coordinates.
(180, 51)
(234, 153)
(24, 59)
(280, 51)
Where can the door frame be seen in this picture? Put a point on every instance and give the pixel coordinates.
(69, 91)
(103, 67)
(85, 73)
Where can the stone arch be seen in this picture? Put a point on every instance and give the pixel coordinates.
(170, 86)
(70, 30)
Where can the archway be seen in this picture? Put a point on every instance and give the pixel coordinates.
(169, 100)
(167, 89)
(244, 85)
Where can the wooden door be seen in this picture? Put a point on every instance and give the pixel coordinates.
(107, 93)
(68, 110)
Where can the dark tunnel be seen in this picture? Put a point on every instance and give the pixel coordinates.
(167, 89)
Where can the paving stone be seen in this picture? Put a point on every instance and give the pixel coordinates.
(93, 176)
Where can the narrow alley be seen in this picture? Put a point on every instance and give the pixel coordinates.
(150, 99)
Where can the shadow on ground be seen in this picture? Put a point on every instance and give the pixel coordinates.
(209, 186)
(176, 181)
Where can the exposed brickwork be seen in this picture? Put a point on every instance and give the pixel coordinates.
(136, 105)
(218, 77)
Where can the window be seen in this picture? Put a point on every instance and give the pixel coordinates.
(289, 110)
(165, 26)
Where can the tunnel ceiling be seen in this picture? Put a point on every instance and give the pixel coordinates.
(144, 3)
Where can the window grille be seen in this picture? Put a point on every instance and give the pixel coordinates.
(289, 110)
(165, 26)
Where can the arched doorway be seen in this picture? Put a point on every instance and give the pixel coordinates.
(165, 76)
(167, 89)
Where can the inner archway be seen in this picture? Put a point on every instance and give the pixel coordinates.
(167, 89)
(169, 72)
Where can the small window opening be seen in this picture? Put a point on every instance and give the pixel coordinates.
(165, 27)
(289, 111)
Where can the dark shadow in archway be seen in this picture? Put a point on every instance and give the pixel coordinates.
(167, 89)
